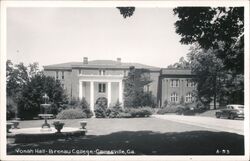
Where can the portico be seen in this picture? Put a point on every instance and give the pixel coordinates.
(93, 86)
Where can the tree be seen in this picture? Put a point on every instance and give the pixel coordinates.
(218, 28)
(182, 64)
(29, 105)
(214, 83)
(134, 94)
(126, 11)
(25, 87)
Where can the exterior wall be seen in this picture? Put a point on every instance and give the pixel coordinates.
(114, 92)
(181, 91)
(107, 71)
(160, 85)
(75, 83)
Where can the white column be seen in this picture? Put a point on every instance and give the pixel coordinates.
(80, 90)
(109, 93)
(92, 96)
(120, 93)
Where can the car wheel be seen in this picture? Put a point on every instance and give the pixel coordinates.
(217, 115)
(231, 116)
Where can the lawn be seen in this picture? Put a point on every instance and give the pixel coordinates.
(139, 136)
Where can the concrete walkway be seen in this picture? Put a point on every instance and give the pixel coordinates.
(233, 126)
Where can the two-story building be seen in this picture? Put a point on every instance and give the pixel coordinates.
(104, 78)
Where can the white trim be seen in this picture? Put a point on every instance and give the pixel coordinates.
(92, 96)
(80, 90)
(109, 93)
(121, 93)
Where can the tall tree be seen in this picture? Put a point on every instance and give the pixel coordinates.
(213, 81)
(182, 64)
(218, 28)
(134, 93)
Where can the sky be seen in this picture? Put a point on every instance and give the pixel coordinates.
(59, 35)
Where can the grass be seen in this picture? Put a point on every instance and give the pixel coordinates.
(144, 136)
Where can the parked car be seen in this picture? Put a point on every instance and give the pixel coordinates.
(231, 112)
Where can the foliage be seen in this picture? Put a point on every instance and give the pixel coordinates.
(31, 98)
(211, 27)
(214, 82)
(171, 109)
(84, 106)
(71, 114)
(126, 11)
(101, 108)
(139, 112)
(115, 111)
(58, 123)
(25, 87)
(100, 112)
(182, 64)
(134, 94)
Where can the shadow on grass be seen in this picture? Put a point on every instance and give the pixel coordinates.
(144, 143)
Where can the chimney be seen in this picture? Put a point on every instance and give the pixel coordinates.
(85, 60)
(119, 60)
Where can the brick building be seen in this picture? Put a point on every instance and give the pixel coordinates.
(104, 78)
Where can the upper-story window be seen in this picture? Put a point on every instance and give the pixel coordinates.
(101, 87)
(102, 72)
(80, 71)
(174, 83)
(174, 97)
(56, 74)
(62, 74)
(125, 73)
(190, 83)
(189, 98)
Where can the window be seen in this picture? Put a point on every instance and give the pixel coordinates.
(101, 72)
(62, 74)
(190, 83)
(174, 83)
(125, 73)
(80, 71)
(102, 87)
(56, 74)
(174, 97)
(189, 98)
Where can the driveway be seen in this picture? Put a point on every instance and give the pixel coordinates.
(233, 126)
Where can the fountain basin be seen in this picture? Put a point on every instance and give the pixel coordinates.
(31, 135)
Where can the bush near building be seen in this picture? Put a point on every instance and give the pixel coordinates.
(183, 108)
(117, 111)
(71, 114)
(75, 109)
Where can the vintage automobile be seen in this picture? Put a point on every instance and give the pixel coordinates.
(231, 112)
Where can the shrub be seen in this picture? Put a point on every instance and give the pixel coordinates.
(100, 111)
(167, 110)
(139, 112)
(115, 111)
(124, 115)
(85, 107)
(71, 114)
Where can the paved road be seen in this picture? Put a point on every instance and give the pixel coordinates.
(233, 126)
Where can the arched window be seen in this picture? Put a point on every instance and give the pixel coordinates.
(174, 97)
(189, 98)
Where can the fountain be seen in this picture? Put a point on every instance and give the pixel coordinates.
(45, 115)
(45, 132)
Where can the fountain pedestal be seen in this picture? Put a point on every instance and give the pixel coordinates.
(45, 116)
(45, 125)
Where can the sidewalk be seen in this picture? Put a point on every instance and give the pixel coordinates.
(233, 126)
